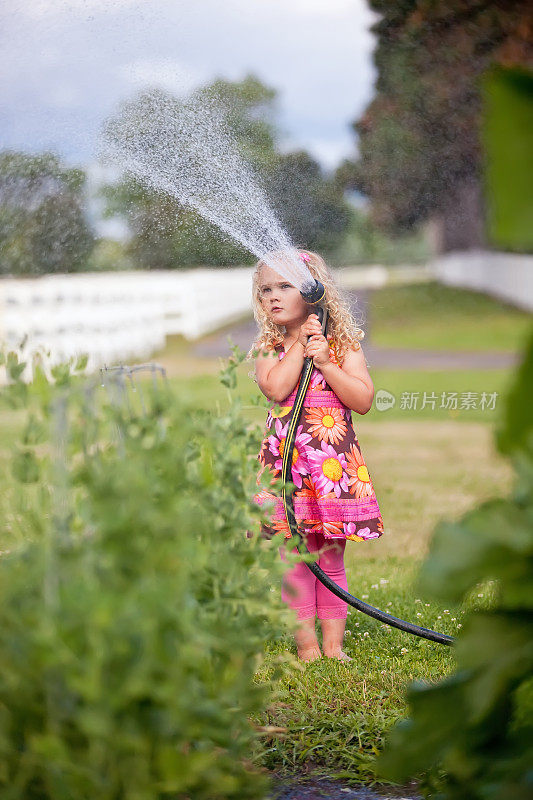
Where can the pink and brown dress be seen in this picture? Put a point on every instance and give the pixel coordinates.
(334, 493)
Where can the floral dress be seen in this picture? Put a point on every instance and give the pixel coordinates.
(334, 493)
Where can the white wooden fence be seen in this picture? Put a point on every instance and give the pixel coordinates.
(116, 316)
(508, 276)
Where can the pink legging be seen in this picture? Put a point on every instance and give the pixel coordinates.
(312, 597)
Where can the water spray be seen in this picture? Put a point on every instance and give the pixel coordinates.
(314, 294)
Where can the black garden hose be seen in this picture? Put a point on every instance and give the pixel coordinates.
(286, 493)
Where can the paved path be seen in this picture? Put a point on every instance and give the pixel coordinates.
(324, 789)
(243, 334)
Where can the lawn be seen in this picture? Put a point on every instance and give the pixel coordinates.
(206, 391)
(436, 317)
(334, 716)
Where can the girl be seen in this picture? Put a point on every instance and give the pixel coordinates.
(334, 499)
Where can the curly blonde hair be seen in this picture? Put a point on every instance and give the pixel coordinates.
(342, 328)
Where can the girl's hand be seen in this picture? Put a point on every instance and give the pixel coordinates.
(311, 327)
(318, 349)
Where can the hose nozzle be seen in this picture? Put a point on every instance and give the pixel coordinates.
(313, 293)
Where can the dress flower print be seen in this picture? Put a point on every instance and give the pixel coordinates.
(299, 453)
(334, 492)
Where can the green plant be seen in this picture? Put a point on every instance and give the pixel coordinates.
(472, 733)
(134, 611)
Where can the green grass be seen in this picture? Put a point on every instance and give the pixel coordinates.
(429, 395)
(430, 316)
(206, 391)
(333, 715)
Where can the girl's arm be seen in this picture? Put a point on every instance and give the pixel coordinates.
(278, 377)
(352, 384)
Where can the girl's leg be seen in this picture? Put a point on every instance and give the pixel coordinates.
(332, 610)
(298, 591)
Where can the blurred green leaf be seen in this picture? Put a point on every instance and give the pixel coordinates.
(24, 467)
(81, 362)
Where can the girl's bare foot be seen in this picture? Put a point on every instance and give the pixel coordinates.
(306, 641)
(332, 636)
(309, 653)
(340, 656)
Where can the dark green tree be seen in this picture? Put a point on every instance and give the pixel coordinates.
(419, 139)
(43, 227)
(311, 208)
(250, 110)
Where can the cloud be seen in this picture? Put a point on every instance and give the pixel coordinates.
(67, 65)
(45, 9)
(168, 73)
(329, 152)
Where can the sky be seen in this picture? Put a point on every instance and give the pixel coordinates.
(66, 66)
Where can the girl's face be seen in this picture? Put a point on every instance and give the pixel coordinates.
(280, 299)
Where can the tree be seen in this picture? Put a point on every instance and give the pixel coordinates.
(42, 221)
(249, 109)
(167, 234)
(312, 209)
(420, 150)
